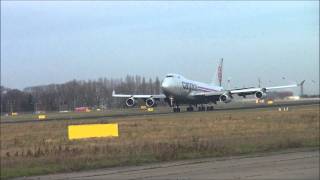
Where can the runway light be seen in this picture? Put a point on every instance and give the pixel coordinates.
(270, 102)
(284, 109)
(92, 131)
(150, 109)
(42, 117)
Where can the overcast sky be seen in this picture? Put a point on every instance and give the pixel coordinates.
(54, 42)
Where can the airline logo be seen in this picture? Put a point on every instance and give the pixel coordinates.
(189, 86)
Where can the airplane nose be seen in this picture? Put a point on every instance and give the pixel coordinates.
(165, 85)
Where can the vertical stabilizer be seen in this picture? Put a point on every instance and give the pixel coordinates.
(218, 78)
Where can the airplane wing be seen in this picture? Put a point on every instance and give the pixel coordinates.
(155, 96)
(253, 90)
(240, 92)
(211, 93)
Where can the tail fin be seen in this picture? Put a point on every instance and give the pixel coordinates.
(301, 83)
(218, 79)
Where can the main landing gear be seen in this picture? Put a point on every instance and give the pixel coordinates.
(201, 108)
(210, 108)
(176, 109)
(204, 108)
(190, 109)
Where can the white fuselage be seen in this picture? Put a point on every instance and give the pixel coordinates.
(182, 89)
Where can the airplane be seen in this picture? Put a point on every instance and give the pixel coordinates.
(178, 90)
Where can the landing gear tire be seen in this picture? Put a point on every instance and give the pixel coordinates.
(176, 109)
(210, 108)
(201, 108)
(189, 109)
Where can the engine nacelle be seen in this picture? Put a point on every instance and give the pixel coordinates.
(225, 98)
(261, 94)
(150, 102)
(130, 102)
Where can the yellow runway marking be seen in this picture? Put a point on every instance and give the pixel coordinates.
(42, 117)
(92, 130)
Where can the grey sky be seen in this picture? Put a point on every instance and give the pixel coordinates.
(54, 42)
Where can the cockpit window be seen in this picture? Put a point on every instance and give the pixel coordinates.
(168, 76)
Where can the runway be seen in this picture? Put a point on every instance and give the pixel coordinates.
(290, 164)
(243, 106)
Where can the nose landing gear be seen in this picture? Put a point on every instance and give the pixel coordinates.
(171, 102)
(175, 107)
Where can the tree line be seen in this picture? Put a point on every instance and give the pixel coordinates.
(76, 93)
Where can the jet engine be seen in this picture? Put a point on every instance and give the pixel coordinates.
(261, 94)
(150, 102)
(225, 98)
(130, 102)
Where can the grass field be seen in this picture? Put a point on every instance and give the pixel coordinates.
(41, 148)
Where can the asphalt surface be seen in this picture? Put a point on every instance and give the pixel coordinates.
(106, 117)
(292, 164)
